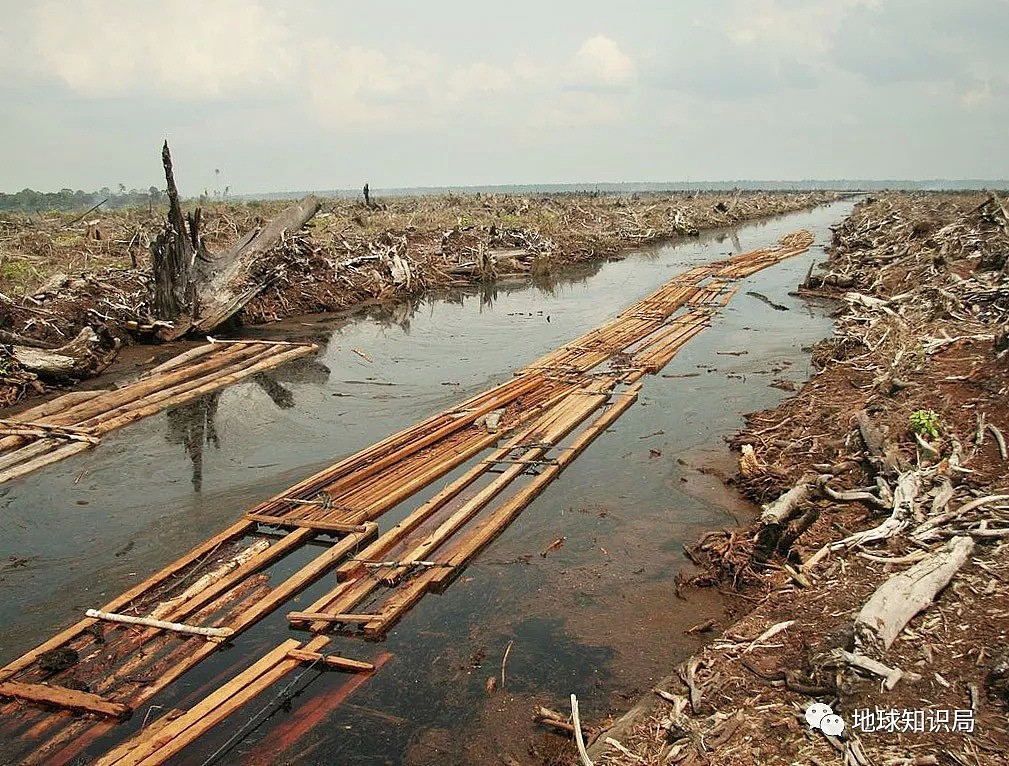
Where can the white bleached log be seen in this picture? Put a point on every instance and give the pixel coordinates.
(786, 506)
(902, 516)
(901, 597)
(148, 622)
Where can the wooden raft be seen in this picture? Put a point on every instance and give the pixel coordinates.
(510, 441)
(76, 421)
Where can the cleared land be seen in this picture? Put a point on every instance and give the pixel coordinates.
(60, 278)
(880, 559)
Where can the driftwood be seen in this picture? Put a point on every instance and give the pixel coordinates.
(905, 594)
(902, 516)
(786, 506)
(199, 291)
(83, 357)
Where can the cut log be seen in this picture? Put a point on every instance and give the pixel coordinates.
(65, 698)
(905, 594)
(83, 357)
(786, 506)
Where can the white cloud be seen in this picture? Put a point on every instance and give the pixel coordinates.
(184, 49)
(357, 88)
(229, 50)
(796, 27)
(601, 62)
(978, 95)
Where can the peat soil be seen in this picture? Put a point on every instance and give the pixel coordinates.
(897, 446)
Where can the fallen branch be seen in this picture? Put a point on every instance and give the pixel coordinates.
(889, 675)
(900, 598)
(908, 486)
(1000, 440)
(579, 740)
(149, 622)
(850, 495)
(926, 531)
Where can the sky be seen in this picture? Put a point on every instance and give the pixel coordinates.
(327, 94)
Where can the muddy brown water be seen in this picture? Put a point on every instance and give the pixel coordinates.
(596, 616)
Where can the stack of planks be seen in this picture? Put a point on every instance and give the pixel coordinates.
(505, 446)
(76, 421)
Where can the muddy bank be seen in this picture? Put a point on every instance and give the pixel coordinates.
(881, 580)
(59, 276)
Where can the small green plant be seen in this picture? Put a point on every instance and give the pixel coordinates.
(924, 423)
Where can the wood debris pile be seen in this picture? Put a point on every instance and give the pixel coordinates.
(882, 549)
(59, 275)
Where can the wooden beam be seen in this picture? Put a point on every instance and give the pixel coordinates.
(329, 617)
(332, 660)
(70, 699)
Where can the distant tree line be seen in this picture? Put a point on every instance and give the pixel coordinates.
(68, 200)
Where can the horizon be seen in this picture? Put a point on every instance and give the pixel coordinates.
(743, 184)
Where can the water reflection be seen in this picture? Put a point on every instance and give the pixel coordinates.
(733, 237)
(192, 426)
(273, 388)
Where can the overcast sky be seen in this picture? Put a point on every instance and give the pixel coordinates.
(322, 94)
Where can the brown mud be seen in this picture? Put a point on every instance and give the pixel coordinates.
(899, 443)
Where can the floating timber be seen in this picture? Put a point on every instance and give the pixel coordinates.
(501, 448)
(76, 421)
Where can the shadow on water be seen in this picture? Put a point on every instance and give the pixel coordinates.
(596, 615)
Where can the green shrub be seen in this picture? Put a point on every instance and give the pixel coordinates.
(924, 423)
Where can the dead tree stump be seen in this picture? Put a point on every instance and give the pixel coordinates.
(173, 255)
(199, 291)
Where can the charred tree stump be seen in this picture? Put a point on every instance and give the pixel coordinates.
(173, 254)
(199, 291)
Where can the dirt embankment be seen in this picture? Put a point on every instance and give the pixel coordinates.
(58, 275)
(880, 579)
